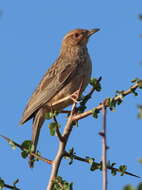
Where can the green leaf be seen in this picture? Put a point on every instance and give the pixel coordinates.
(121, 96)
(52, 126)
(113, 171)
(90, 160)
(140, 115)
(119, 101)
(140, 186)
(95, 112)
(111, 103)
(84, 99)
(129, 187)
(1, 184)
(133, 91)
(113, 164)
(96, 84)
(71, 151)
(60, 184)
(28, 146)
(122, 169)
(50, 115)
(71, 186)
(24, 154)
(71, 157)
(111, 167)
(140, 161)
(95, 166)
(135, 80)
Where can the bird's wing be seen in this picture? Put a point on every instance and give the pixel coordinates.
(53, 81)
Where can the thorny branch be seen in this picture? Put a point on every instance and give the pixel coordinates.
(68, 129)
(63, 138)
(100, 106)
(23, 149)
(86, 160)
(59, 135)
(5, 185)
(62, 145)
(65, 154)
(11, 187)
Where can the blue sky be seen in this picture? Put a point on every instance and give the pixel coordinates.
(30, 39)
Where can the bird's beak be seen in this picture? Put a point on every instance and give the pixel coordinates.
(93, 31)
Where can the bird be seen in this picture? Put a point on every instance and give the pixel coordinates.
(54, 92)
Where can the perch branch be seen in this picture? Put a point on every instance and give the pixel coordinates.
(62, 144)
(61, 149)
(100, 106)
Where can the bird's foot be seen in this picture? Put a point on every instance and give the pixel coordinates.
(74, 97)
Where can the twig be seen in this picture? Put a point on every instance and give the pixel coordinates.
(41, 158)
(60, 153)
(11, 187)
(66, 133)
(86, 97)
(24, 149)
(57, 128)
(62, 145)
(87, 161)
(104, 150)
(99, 107)
(94, 88)
(68, 129)
(59, 135)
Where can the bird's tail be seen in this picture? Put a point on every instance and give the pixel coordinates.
(37, 124)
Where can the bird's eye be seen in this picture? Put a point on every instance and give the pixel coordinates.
(76, 35)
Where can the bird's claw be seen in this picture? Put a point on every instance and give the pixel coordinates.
(75, 96)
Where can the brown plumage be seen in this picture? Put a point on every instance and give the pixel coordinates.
(63, 79)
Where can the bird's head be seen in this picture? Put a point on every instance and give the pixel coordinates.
(78, 37)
